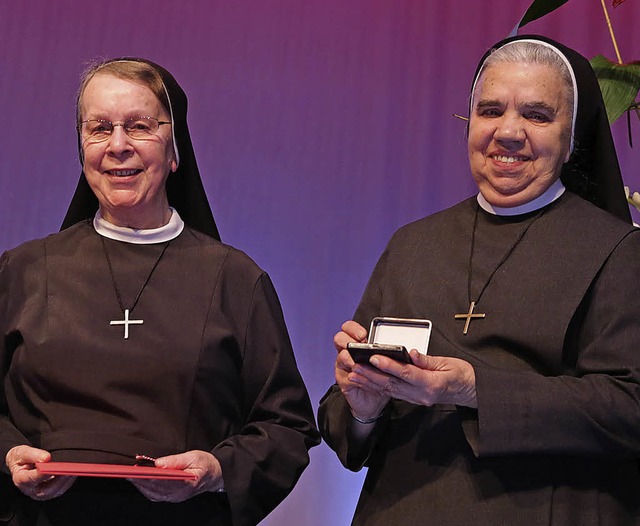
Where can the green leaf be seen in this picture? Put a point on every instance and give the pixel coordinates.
(539, 8)
(619, 83)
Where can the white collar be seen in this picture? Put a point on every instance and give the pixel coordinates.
(140, 237)
(549, 196)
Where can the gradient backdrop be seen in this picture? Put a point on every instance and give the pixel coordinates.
(320, 126)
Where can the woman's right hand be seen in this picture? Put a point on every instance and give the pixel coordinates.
(21, 461)
(364, 398)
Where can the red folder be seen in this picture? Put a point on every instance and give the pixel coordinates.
(80, 469)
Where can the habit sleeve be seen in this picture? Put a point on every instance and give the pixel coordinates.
(262, 462)
(334, 415)
(9, 435)
(592, 409)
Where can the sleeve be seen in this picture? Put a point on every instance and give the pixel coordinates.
(334, 420)
(9, 435)
(268, 455)
(591, 409)
(334, 416)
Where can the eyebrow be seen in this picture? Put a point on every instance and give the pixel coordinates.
(487, 103)
(530, 106)
(540, 106)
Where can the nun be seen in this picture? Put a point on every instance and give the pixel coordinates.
(134, 332)
(526, 408)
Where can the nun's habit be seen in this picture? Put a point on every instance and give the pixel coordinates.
(556, 435)
(211, 367)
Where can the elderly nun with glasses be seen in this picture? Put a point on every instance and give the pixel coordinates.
(134, 335)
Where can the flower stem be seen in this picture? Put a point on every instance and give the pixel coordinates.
(613, 37)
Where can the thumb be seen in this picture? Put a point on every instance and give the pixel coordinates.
(167, 462)
(42, 456)
(32, 455)
(180, 461)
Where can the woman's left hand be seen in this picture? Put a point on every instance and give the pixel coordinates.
(202, 464)
(21, 461)
(429, 380)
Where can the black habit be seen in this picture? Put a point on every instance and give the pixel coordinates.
(555, 438)
(211, 368)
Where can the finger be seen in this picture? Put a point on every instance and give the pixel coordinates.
(370, 378)
(398, 380)
(149, 488)
(385, 386)
(344, 361)
(180, 461)
(424, 361)
(342, 339)
(371, 388)
(56, 486)
(391, 367)
(195, 461)
(25, 477)
(49, 488)
(401, 386)
(35, 477)
(25, 456)
(354, 330)
(37, 492)
(59, 485)
(163, 490)
(368, 370)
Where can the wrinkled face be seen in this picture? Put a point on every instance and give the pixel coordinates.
(127, 175)
(519, 132)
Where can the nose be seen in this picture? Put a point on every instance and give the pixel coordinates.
(119, 143)
(509, 129)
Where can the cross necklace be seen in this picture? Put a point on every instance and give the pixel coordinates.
(470, 314)
(127, 321)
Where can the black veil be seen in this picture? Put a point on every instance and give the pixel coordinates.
(592, 171)
(184, 187)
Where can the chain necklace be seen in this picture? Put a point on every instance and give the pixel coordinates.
(470, 315)
(127, 311)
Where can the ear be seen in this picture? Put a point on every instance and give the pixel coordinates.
(173, 165)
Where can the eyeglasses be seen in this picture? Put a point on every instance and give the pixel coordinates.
(138, 128)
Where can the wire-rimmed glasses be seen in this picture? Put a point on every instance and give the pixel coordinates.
(138, 128)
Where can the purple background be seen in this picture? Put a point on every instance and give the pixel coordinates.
(320, 126)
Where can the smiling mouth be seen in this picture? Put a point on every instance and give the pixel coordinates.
(509, 159)
(123, 173)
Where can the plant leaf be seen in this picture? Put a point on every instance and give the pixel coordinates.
(619, 84)
(539, 8)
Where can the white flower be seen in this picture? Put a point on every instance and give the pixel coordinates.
(632, 198)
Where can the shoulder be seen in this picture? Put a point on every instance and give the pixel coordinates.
(436, 227)
(230, 261)
(584, 210)
(584, 222)
(38, 248)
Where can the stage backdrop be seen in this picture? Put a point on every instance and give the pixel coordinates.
(320, 126)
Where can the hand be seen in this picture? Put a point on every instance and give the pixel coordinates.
(365, 402)
(202, 464)
(430, 380)
(21, 462)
